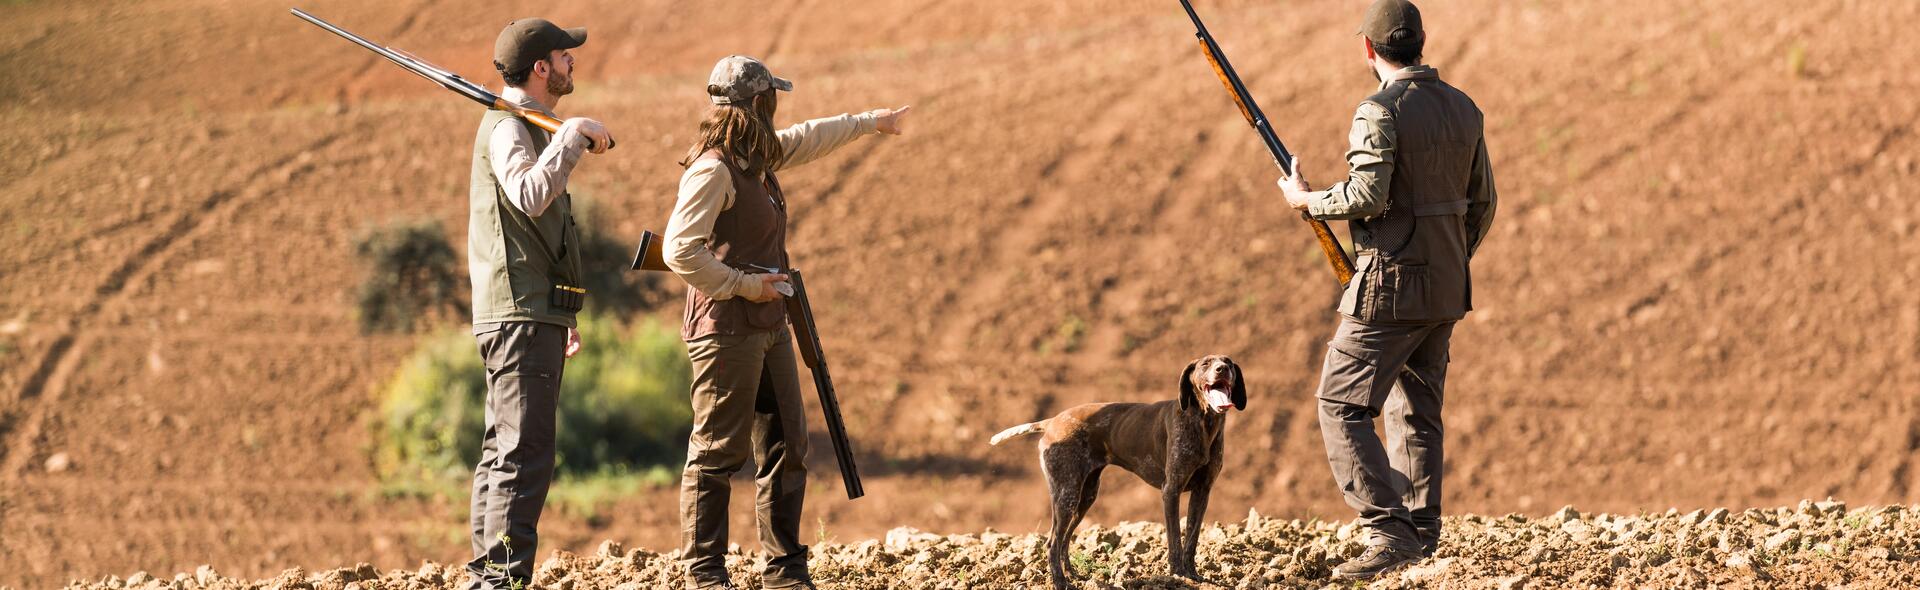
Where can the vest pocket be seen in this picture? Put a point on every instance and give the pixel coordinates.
(1397, 292)
(1411, 302)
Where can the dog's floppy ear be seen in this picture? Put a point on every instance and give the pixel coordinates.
(1239, 392)
(1188, 400)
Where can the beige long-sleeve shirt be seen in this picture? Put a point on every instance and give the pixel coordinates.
(532, 180)
(706, 190)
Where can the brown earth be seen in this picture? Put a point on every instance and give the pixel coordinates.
(1699, 290)
(1815, 545)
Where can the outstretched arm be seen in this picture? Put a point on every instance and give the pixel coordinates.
(811, 140)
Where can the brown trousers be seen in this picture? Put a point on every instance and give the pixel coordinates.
(524, 361)
(1401, 369)
(746, 404)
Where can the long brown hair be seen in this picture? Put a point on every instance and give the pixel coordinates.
(742, 132)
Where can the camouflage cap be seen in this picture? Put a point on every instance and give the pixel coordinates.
(528, 40)
(1393, 22)
(737, 78)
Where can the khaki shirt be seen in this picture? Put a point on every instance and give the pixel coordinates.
(1370, 171)
(706, 189)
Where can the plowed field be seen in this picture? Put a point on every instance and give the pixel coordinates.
(1700, 291)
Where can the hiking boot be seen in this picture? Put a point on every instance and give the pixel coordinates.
(1377, 560)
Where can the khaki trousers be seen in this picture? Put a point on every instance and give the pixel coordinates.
(746, 404)
(1400, 369)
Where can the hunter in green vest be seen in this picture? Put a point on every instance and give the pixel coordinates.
(517, 259)
(524, 255)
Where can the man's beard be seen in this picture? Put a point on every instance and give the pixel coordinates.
(560, 84)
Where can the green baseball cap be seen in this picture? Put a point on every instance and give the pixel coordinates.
(737, 78)
(529, 40)
(1386, 18)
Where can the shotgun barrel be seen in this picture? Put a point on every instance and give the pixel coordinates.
(437, 75)
(1329, 244)
(800, 314)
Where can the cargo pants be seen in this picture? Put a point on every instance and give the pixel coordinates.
(746, 404)
(1401, 370)
(524, 361)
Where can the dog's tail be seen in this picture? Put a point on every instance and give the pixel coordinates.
(1028, 428)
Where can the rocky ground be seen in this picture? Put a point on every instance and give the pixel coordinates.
(1812, 545)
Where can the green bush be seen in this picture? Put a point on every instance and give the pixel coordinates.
(623, 405)
(412, 273)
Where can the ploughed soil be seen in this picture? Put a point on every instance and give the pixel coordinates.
(1702, 287)
(1817, 544)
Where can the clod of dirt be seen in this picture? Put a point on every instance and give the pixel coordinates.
(59, 463)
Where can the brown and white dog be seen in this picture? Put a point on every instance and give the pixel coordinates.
(1174, 445)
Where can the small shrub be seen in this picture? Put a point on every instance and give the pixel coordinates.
(412, 272)
(623, 406)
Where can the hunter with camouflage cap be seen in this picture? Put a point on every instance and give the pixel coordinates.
(1419, 196)
(727, 239)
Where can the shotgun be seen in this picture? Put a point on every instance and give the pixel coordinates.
(1329, 245)
(444, 78)
(807, 339)
(800, 314)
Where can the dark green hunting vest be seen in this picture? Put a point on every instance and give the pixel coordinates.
(516, 259)
(1412, 263)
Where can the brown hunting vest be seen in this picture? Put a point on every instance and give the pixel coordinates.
(751, 232)
(1412, 263)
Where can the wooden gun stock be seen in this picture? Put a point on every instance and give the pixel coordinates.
(649, 256)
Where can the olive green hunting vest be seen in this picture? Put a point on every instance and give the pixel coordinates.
(516, 259)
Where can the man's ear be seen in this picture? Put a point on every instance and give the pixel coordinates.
(1239, 392)
(1188, 399)
(541, 69)
(1369, 44)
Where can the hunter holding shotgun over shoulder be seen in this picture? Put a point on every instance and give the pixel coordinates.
(524, 255)
(1419, 196)
(727, 240)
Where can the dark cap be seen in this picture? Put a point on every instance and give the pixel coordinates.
(737, 78)
(1387, 17)
(529, 40)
